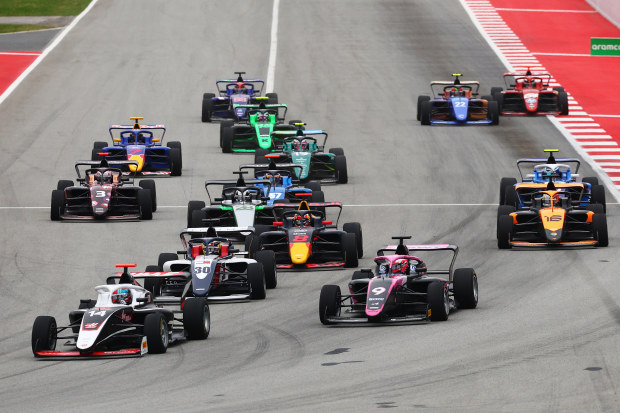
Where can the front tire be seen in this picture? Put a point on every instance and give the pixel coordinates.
(268, 259)
(157, 333)
(599, 227)
(356, 228)
(421, 99)
(57, 204)
(44, 333)
(196, 318)
(150, 185)
(349, 247)
(329, 303)
(504, 232)
(340, 164)
(437, 296)
(207, 106)
(145, 204)
(256, 280)
(425, 112)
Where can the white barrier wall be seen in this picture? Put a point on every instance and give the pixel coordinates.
(608, 8)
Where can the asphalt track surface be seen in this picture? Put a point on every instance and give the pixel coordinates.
(543, 338)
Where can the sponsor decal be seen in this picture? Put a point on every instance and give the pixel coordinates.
(601, 46)
(126, 316)
(91, 326)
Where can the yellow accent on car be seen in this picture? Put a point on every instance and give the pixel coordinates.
(299, 252)
(140, 161)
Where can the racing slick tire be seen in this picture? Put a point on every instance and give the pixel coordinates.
(419, 107)
(197, 220)
(362, 275)
(558, 89)
(501, 211)
(227, 140)
(596, 208)
(356, 228)
(329, 303)
(599, 228)
(97, 147)
(313, 185)
(145, 204)
(196, 318)
(504, 232)
(337, 151)
(207, 106)
(438, 301)
(273, 98)
(340, 165)
(58, 204)
(252, 244)
(505, 182)
(597, 196)
(156, 331)
(511, 197)
(176, 161)
(425, 112)
(226, 123)
(493, 112)
(191, 207)
(257, 282)
(563, 103)
(44, 333)
(150, 185)
(349, 249)
(164, 257)
(87, 303)
(318, 196)
(465, 286)
(64, 183)
(268, 259)
(153, 284)
(592, 180)
(498, 96)
(259, 156)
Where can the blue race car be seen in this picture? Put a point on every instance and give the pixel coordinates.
(562, 172)
(456, 103)
(283, 183)
(233, 92)
(142, 144)
(301, 147)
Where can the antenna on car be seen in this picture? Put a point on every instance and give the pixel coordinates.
(551, 159)
(126, 278)
(240, 180)
(401, 248)
(239, 78)
(457, 81)
(529, 72)
(136, 124)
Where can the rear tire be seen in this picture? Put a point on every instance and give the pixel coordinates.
(156, 331)
(207, 106)
(273, 98)
(317, 196)
(150, 185)
(505, 182)
(43, 334)
(164, 257)
(197, 219)
(465, 285)
(58, 204)
(597, 196)
(259, 156)
(256, 280)
(511, 198)
(191, 207)
(340, 164)
(349, 248)
(313, 185)
(329, 303)
(145, 204)
(592, 180)
(337, 151)
(153, 284)
(196, 318)
(268, 259)
(356, 228)
(437, 296)
(64, 183)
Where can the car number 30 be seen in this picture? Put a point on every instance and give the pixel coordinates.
(202, 272)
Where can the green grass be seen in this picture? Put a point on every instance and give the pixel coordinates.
(42, 7)
(12, 28)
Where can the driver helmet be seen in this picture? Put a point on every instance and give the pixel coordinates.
(107, 177)
(305, 145)
(214, 247)
(297, 144)
(298, 220)
(97, 178)
(262, 116)
(240, 196)
(548, 201)
(400, 266)
(121, 296)
(307, 220)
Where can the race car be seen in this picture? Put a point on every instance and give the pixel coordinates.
(535, 174)
(211, 267)
(144, 145)
(248, 135)
(401, 289)
(283, 183)
(301, 147)
(233, 92)
(550, 220)
(456, 103)
(123, 321)
(529, 94)
(306, 240)
(103, 193)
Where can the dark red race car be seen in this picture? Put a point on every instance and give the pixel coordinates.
(529, 94)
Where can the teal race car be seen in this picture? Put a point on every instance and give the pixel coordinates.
(255, 132)
(301, 147)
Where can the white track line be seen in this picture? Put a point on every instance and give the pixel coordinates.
(273, 48)
(512, 60)
(45, 52)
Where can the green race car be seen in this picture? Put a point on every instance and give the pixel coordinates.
(301, 147)
(256, 130)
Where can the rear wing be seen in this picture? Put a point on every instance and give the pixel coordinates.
(311, 206)
(207, 232)
(279, 109)
(529, 163)
(284, 134)
(254, 82)
(426, 247)
(157, 138)
(246, 184)
(511, 77)
(285, 167)
(437, 86)
(144, 275)
(97, 164)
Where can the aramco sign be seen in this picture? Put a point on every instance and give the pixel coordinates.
(604, 46)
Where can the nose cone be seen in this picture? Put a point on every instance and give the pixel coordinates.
(136, 158)
(300, 252)
(460, 106)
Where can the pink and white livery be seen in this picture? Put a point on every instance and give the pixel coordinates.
(401, 289)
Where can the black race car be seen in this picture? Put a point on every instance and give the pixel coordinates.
(123, 321)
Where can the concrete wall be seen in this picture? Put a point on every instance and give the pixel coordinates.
(608, 8)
